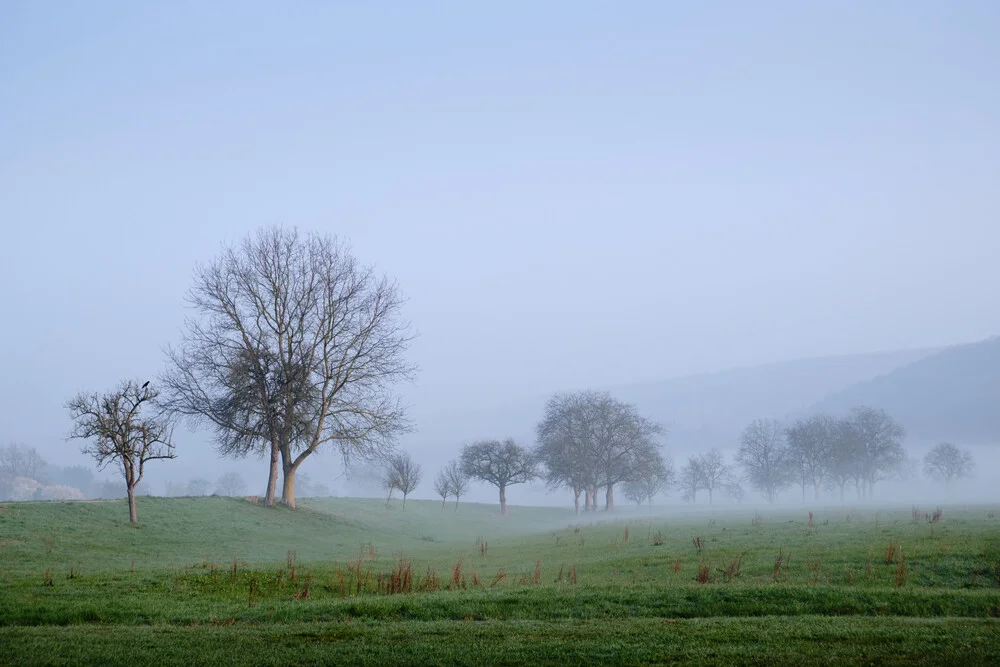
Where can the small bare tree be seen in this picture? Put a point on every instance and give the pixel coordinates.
(298, 347)
(402, 473)
(713, 471)
(689, 480)
(735, 488)
(947, 463)
(231, 484)
(199, 486)
(389, 484)
(442, 486)
(654, 476)
(501, 464)
(458, 481)
(21, 461)
(118, 432)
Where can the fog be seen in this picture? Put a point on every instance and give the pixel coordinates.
(713, 211)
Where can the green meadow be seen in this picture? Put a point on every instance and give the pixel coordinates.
(352, 581)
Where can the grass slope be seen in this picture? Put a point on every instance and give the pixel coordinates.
(229, 582)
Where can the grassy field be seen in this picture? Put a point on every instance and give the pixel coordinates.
(219, 580)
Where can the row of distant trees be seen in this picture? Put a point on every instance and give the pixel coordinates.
(589, 442)
(26, 475)
(822, 451)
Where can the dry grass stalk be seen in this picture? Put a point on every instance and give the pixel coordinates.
(902, 572)
(891, 553)
(781, 562)
(733, 569)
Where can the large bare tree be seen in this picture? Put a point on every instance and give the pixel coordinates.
(809, 444)
(843, 457)
(590, 439)
(879, 446)
(297, 346)
(566, 448)
(119, 433)
(501, 464)
(764, 457)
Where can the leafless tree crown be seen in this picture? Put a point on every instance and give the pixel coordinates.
(501, 464)
(947, 463)
(402, 473)
(590, 439)
(764, 457)
(296, 346)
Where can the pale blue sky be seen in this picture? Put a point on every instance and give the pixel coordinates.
(570, 193)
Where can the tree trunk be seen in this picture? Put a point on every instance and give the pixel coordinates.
(456, 503)
(404, 502)
(272, 477)
(443, 501)
(609, 499)
(709, 495)
(816, 489)
(133, 517)
(288, 489)
(503, 500)
(576, 501)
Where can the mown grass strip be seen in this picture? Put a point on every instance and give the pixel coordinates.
(805, 640)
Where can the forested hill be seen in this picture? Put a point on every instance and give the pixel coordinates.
(712, 409)
(699, 411)
(952, 395)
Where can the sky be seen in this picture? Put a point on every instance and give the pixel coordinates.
(569, 193)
